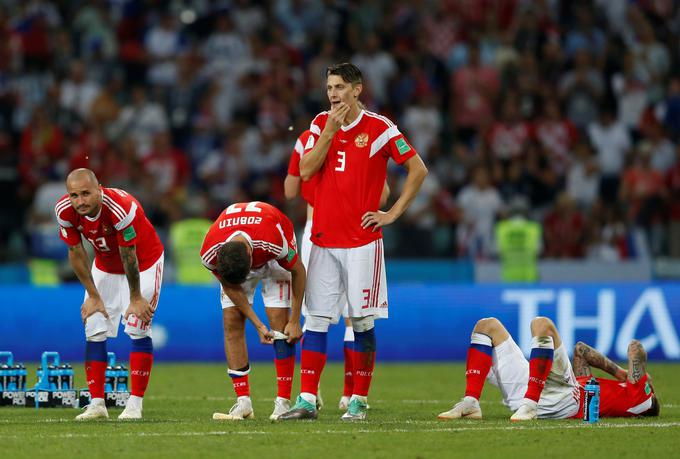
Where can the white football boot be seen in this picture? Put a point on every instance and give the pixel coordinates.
(133, 408)
(527, 412)
(344, 403)
(95, 410)
(281, 405)
(467, 408)
(242, 409)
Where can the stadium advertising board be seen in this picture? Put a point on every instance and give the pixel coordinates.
(427, 321)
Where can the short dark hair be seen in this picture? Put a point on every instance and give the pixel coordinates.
(655, 409)
(233, 262)
(349, 73)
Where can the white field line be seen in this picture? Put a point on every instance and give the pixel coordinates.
(532, 427)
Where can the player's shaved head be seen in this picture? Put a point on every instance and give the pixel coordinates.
(84, 192)
(80, 175)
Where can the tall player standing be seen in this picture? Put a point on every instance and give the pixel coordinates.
(125, 279)
(349, 151)
(249, 243)
(294, 186)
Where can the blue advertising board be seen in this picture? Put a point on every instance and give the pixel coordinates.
(428, 322)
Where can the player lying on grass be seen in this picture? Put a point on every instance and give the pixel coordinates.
(547, 386)
(249, 244)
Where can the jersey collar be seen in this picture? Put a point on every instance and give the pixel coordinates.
(96, 217)
(241, 233)
(353, 123)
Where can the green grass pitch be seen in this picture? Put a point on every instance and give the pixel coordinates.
(404, 399)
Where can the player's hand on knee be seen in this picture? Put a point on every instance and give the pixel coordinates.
(92, 305)
(293, 331)
(141, 308)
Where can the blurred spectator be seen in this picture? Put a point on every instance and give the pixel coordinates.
(564, 230)
(141, 120)
(163, 42)
(508, 136)
(556, 135)
(672, 182)
(581, 89)
(583, 178)
(77, 92)
(643, 190)
(422, 120)
(473, 89)
(612, 143)
(479, 203)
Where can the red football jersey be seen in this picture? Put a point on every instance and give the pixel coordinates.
(620, 399)
(269, 232)
(306, 187)
(121, 222)
(352, 177)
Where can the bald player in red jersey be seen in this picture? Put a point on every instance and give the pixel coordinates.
(125, 280)
(349, 152)
(248, 244)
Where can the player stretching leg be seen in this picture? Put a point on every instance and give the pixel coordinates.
(251, 243)
(546, 387)
(349, 151)
(294, 186)
(124, 280)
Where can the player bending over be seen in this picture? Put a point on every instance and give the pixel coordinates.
(125, 279)
(249, 243)
(546, 386)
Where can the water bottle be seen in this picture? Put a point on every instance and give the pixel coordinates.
(110, 381)
(591, 401)
(22, 376)
(121, 378)
(4, 376)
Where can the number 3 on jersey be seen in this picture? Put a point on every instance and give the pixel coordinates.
(341, 162)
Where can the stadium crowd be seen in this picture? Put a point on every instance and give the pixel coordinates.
(570, 106)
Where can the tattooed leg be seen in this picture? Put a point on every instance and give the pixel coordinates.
(637, 361)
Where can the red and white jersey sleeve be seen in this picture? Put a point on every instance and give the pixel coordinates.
(121, 222)
(268, 231)
(304, 142)
(352, 177)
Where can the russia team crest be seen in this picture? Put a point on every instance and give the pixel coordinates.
(361, 140)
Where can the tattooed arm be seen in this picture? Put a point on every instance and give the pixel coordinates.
(637, 361)
(139, 306)
(586, 357)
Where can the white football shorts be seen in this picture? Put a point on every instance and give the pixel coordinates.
(305, 250)
(510, 373)
(115, 293)
(276, 287)
(356, 273)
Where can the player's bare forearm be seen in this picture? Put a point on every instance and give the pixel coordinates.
(240, 300)
(384, 195)
(637, 361)
(79, 261)
(128, 256)
(593, 358)
(311, 162)
(416, 175)
(291, 186)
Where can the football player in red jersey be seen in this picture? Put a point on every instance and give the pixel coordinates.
(548, 386)
(349, 151)
(248, 244)
(294, 186)
(125, 280)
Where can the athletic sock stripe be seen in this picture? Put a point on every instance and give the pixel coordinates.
(541, 353)
(488, 350)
